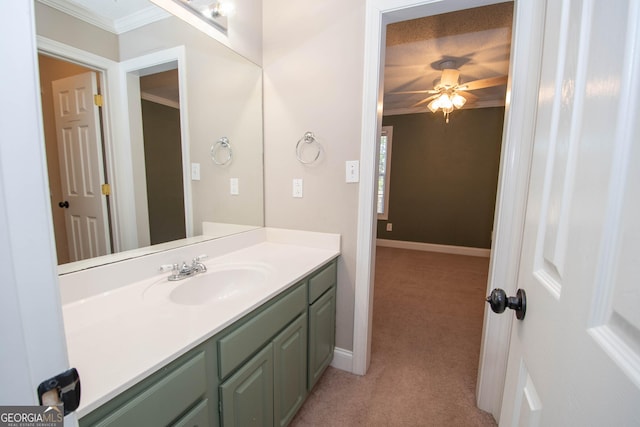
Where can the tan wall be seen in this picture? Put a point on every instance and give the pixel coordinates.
(55, 25)
(313, 67)
(52, 69)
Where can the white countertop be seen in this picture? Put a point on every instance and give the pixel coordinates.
(122, 334)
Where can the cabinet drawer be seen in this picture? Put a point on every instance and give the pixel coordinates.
(248, 338)
(322, 281)
(164, 401)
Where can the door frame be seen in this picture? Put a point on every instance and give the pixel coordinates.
(512, 181)
(31, 323)
(131, 123)
(107, 76)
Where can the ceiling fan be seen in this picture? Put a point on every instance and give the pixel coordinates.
(448, 93)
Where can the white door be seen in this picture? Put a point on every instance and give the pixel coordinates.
(80, 156)
(575, 358)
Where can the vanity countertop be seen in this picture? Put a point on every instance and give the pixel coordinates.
(122, 334)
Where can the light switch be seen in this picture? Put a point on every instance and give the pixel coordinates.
(195, 171)
(353, 171)
(297, 187)
(234, 188)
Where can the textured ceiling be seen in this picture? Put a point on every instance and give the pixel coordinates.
(477, 40)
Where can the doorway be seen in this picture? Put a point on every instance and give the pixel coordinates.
(514, 173)
(444, 173)
(54, 71)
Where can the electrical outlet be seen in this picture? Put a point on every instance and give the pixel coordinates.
(389, 226)
(195, 171)
(297, 187)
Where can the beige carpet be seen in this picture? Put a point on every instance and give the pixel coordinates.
(427, 324)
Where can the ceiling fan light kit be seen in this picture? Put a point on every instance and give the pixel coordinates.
(447, 101)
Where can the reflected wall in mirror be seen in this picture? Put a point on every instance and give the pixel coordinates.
(219, 94)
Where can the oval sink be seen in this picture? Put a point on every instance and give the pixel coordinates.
(220, 284)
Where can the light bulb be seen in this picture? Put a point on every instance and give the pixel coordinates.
(224, 8)
(433, 106)
(444, 102)
(458, 100)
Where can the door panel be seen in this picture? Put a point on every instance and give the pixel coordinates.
(575, 358)
(80, 156)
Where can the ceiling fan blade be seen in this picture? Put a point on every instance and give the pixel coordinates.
(449, 77)
(407, 92)
(470, 97)
(424, 101)
(483, 83)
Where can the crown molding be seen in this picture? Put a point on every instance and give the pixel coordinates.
(143, 17)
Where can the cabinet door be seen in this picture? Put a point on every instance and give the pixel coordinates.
(247, 396)
(290, 370)
(322, 335)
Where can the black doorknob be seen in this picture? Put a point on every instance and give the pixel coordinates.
(64, 204)
(499, 302)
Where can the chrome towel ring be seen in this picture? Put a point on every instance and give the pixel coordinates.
(219, 148)
(309, 141)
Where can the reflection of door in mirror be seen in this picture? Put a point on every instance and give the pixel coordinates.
(163, 155)
(74, 158)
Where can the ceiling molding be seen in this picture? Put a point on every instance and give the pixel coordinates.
(143, 17)
(140, 19)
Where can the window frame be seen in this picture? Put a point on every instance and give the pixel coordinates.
(388, 132)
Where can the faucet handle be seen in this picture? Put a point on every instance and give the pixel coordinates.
(200, 257)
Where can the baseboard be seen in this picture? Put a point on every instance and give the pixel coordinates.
(431, 247)
(342, 359)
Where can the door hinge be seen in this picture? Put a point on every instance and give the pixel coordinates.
(97, 99)
(63, 389)
(106, 189)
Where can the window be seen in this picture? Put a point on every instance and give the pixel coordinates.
(384, 171)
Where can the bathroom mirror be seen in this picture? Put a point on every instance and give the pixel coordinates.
(218, 94)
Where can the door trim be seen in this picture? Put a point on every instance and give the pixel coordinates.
(512, 185)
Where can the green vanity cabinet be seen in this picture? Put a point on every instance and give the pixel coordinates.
(290, 370)
(177, 394)
(246, 399)
(256, 372)
(322, 322)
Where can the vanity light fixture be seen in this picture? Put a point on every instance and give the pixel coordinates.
(213, 11)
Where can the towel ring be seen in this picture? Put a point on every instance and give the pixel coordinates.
(222, 144)
(309, 139)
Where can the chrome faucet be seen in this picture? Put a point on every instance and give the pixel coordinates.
(179, 272)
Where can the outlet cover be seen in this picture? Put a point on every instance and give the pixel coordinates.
(234, 188)
(389, 226)
(352, 171)
(297, 187)
(195, 171)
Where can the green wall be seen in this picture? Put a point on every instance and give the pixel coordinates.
(163, 163)
(444, 177)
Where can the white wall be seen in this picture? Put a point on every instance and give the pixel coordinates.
(313, 55)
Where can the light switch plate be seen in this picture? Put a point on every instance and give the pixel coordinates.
(297, 187)
(352, 171)
(195, 171)
(234, 188)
